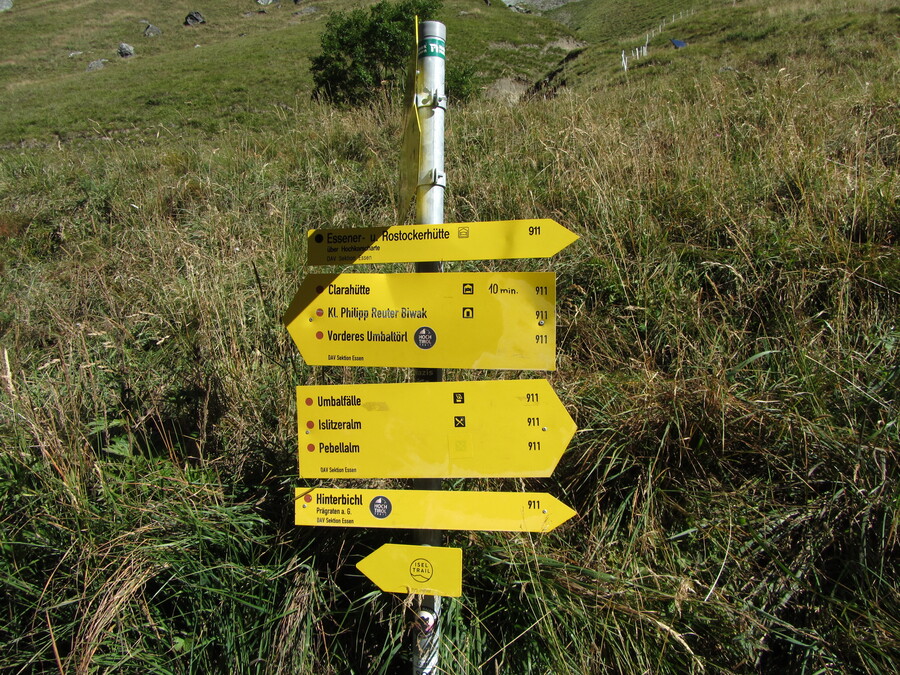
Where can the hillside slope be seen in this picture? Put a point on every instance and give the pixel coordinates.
(238, 69)
(605, 21)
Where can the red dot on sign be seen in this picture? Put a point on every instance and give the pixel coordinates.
(319, 312)
(309, 401)
(320, 335)
(310, 447)
(307, 498)
(310, 424)
(319, 289)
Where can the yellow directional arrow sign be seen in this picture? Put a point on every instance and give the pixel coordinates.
(431, 429)
(430, 509)
(452, 320)
(425, 570)
(498, 240)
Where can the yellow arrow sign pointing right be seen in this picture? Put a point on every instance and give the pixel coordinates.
(430, 509)
(431, 429)
(490, 240)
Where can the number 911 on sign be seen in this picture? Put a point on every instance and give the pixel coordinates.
(491, 320)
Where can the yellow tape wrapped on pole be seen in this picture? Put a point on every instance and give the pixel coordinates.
(412, 133)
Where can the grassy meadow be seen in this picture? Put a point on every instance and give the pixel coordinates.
(728, 340)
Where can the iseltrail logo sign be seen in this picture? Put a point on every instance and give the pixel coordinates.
(426, 570)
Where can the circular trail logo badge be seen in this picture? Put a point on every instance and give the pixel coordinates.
(380, 507)
(425, 338)
(421, 570)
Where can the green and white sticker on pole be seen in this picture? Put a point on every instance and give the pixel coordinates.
(432, 46)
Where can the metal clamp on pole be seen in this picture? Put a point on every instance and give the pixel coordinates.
(435, 179)
(431, 99)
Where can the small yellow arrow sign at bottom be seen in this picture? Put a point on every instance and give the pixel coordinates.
(425, 570)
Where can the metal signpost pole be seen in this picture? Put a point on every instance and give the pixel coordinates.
(431, 102)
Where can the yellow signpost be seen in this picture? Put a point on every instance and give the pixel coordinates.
(426, 570)
(498, 240)
(431, 429)
(430, 509)
(493, 320)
